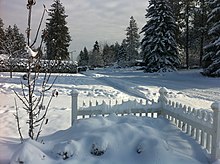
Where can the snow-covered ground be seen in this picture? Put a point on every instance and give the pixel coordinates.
(125, 139)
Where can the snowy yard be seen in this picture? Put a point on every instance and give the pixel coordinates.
(114, 139)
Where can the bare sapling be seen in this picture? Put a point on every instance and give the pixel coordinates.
(36, 87)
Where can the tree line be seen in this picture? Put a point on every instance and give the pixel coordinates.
(124, 54)
(12, 41)
(178, 30)
(177, 34)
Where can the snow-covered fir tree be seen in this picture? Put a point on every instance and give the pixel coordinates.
(122, 53)
(57, 38)
(19, 39)
(117, 46)
(80, 59)
(212, 50)
(83, 57)
(159, 45)
(105, 53)
(95, 57)
(132, 41)
(14, 42)
(109, 54)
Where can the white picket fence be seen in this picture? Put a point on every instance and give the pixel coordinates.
(200, 124)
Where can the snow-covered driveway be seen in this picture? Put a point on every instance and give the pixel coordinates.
(188, 87)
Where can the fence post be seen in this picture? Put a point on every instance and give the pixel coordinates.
(162, 100)
(215, 152)
(74, 94)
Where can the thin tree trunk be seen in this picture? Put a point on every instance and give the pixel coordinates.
(30, 110)
(29, 25)
(187, 34)
(202, 34)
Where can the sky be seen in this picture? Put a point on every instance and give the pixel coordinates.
(88, 20)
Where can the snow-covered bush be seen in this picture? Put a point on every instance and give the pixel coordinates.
(28, 152)
(65, 149)
(99, 145)
(21, 65)
(97, 149)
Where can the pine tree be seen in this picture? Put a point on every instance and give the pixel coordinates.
(83, 57)
(20, 41)
(117, 47)
(105, 53)
(190, 16)
(58, 38)
(159, 44)
(199, 31)
(86, 56)
(122, 53)
(212, 50)
(95, 58)
(193, 30)
(132, 40)
(14, 42)
(108, 54)
(80, 60)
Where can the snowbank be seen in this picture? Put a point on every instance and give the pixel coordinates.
(114, 139)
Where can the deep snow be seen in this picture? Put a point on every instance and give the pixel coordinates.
(119, 138)
(122, 140)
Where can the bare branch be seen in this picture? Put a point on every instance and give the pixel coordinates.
(43, 117)
(21, 99)
(39, 27)
(51, 84)
(22, 87)
(38, 102)
(44, 81)
(18, 121)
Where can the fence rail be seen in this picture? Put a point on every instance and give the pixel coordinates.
(200, 124)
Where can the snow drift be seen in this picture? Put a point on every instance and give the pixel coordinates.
(128, 139)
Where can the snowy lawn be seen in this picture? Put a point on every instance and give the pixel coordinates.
(113, 139)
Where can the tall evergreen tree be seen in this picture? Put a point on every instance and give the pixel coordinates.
(159, 45)
(212, 50)
(190, 16)
(58, 38)
(177, 9)
(199, 31)
(105, 53)
(20, 39)
(109, 54)
(132, 40)
(117, 47)
(95, 58)
(80, 58)
(122, 53)
(86, 55)
(83, 57)
(14, 42)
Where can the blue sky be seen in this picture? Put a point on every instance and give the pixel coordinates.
(88, 20)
